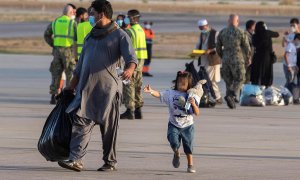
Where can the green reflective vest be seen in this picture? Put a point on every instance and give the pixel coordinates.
(63, 31)
(138, 39)
(82, 30)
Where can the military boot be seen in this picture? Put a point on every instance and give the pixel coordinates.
(138, 113)
(230, 101)
(128, 114)
(53, 100)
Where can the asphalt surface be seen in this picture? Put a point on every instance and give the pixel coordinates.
(162, 23)
(247, 143)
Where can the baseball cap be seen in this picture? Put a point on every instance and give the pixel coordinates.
(202, 22)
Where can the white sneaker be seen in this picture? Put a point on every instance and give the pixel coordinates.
(191, 169)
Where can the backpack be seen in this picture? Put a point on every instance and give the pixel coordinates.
(208, 98)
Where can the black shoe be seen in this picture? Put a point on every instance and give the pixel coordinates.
(53, 100)
(147, 74)
(138, 113)
(107, 167)
(128, 114)
(230, 102)
(72, 165)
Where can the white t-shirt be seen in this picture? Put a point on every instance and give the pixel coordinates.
(178, 115)
(292, 55)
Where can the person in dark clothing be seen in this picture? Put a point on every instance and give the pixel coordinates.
(250, 28)
(262, 65)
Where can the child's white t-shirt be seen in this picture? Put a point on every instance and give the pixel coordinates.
(292, 55)
(178, 115)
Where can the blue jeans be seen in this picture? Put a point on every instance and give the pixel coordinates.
(290, 76)
(176, 135)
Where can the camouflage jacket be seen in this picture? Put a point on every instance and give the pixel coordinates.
(232, 45)
(48, 35)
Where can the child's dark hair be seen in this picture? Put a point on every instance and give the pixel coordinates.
(186, 75)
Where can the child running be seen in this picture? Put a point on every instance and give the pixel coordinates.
(180, 127)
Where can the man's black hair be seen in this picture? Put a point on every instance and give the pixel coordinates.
(72, 5)
(297, 36)
(250, 23)
(294, 21)
(80, 11)
(103, 6)
(133, 13)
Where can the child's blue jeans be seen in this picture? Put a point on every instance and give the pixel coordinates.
(186, 135)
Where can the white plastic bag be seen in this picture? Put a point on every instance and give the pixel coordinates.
(273, 96)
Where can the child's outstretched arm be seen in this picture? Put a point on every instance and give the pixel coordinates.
(154, 93)
(194, 106)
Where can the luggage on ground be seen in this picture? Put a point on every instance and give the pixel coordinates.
(252, 95)
(273, 96)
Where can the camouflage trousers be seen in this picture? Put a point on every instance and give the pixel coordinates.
(132, 92)
(233, 74)
(248, 74)
(63, 60)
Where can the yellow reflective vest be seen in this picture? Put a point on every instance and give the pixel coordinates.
(138, 39)
(82, 30)
(63, 31)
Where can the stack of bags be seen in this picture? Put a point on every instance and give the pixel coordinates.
(254, 95)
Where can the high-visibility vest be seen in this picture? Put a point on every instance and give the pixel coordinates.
(82, 30)
(138, 39)
(149, 35)
(63, 31)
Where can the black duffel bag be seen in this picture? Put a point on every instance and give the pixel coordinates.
(55, 139)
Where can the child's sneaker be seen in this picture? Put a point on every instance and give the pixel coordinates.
(176, 161)
(191, 169)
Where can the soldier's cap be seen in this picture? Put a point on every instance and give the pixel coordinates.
(202, 22)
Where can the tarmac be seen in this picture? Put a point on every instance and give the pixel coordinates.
(255, 143)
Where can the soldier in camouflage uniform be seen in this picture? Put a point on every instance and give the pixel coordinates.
(63, 57)
(132, 92)
(231, 44)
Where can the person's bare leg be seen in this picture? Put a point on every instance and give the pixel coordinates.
(190, 168)
(189, 159)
